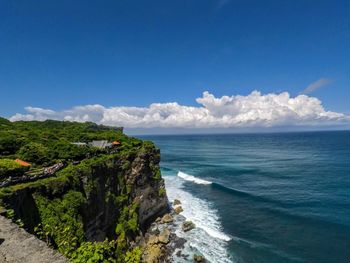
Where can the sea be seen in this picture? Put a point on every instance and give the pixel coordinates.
(276, 197)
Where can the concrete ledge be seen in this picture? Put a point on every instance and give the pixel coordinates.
(18, 246)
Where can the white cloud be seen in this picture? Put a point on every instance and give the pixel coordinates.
(316, 85)
(253, 110)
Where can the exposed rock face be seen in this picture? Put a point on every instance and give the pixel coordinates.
(176, 202)
(124, 191)
(153, 202)
(17, 246)
(153, 253)
(188, 225)
(198, 259)
(167, 218)
(144, 189)
(164, 236)
(155, 247)
(178, 209)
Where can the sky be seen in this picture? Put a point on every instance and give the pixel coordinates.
(180, 64)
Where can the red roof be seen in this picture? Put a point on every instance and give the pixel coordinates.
(23, 163)
(116, 143)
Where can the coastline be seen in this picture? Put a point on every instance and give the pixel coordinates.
(195, 232)
(162, 242)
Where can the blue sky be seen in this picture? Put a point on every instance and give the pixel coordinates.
(60, 54)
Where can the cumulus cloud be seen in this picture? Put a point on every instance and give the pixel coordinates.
(253, 110)
(316, 85)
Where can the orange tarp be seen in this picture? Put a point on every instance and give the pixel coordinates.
(23, 163)
(115, 143)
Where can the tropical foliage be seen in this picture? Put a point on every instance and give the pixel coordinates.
(9, 167)
(56, 205)
(44, 143)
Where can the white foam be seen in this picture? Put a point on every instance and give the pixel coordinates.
(216, 234)
(191, 178)
(208, 237)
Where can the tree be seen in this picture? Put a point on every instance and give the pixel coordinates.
(9, 144)
(66, 150)
(34, 152)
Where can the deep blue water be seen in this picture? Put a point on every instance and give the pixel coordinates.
(282, 197)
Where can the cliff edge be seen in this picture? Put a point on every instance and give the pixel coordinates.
(17, 245)
(98, 205)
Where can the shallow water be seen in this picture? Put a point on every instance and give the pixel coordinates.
(263, 197)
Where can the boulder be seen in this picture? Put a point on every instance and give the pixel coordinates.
(198, 259)
(176, 202)
(167, 218)
(152, 240)
(187, 226)
(178, 209)
(164, 236)
(152, 254)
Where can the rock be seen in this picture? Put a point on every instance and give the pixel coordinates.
(164, 236)
(178, 209)
(152, 254)
(158, 220)
(152, 239)
(176, 202)
(167, 218)
(187, 226)
(198, 259)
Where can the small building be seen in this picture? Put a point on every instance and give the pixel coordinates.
(22, 163)
(116, 143)
(102, 144)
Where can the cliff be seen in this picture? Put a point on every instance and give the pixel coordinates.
(97, 208)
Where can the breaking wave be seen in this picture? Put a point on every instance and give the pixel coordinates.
(208, 237)
(191, 178)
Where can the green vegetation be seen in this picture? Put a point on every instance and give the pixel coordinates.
(9, 167)
(34, 152)
(161, 192)
(44, 143)
(57, 209)
(96, 252)
(133, 256)
(61, 224)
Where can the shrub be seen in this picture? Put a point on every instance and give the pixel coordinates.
(66, 150)
(62, 224)
(34, 152)
(161, 192)
(95, 252)
(133, 256)
(9, 143)
(11, 168)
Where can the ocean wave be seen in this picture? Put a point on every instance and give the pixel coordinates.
(230, 190)
(191, 178)
(212, 232)
(215, 234)
(208, 237)
(221, 187)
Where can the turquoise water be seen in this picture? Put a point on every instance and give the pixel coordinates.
(263, 197)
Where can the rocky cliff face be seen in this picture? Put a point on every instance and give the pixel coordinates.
(132, 178)
(112, 196)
